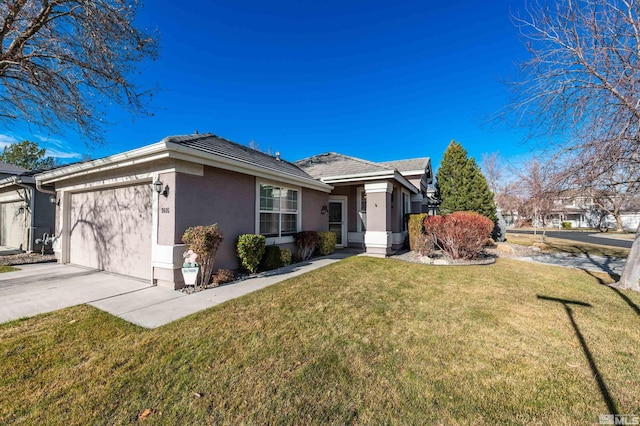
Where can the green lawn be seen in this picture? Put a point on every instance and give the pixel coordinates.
(363, 341)
(5, 268)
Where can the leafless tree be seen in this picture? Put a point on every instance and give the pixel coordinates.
(493, 171)
(536, 188)
(63, 61)
(582, 85)
(611, 190)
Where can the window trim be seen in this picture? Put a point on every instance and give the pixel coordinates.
(278, 239)
(361, 190)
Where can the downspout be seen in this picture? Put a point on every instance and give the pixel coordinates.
(41, 189)
(17, 182)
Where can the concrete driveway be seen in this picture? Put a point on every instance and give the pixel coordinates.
(46, 287)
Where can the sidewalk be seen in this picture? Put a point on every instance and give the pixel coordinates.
(156, 306)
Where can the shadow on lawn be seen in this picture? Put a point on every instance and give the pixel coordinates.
(604, 391)
(616, 277)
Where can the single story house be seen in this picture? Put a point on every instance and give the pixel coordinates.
(26, 214)
(126, 213)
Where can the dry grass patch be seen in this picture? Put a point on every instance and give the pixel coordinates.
(369, 341)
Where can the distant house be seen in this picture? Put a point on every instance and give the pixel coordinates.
(126, 213)
(581, 211)
(25, 213)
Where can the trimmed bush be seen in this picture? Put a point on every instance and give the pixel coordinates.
(204, 241)
(460, 235)
(415, 228)
(223, 276)
(566, 225)
(285, 257)
(326, 243)
(306, 243)
(271, 259)
(250, 249)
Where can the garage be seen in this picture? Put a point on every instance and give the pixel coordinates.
(12, 227)
(110, 229)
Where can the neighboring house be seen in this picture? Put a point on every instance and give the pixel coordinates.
(127, 213)
(25, 213)
(7, 170)
(369, 201)
(581, 211)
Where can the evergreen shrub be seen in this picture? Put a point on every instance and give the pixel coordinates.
(250, 250)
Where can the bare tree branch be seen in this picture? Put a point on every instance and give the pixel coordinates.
(581, 86)
(62, 61)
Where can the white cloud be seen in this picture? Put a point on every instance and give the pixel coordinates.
(54, 147)
(7, 140)
(61, 154)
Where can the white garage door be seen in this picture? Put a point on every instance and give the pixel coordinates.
(12, 229)
(111, 230)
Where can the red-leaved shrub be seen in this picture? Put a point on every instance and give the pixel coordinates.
(460, 235)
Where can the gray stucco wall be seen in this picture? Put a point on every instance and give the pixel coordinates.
(220, 196)
(312, 203)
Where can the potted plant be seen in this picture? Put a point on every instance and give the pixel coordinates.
(190, 267)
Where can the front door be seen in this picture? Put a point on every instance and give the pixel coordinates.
(338, 221)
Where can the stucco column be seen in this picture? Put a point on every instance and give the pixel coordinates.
(377, 238)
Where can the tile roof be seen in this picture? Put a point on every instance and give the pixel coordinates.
(408, 165)
(333, 164)
(11, 169)
(213, 144)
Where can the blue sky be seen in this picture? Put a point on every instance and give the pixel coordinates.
(380, 80)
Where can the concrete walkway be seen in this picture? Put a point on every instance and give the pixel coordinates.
(47, 287)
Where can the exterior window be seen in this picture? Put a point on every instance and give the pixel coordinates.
(362, 210)
(406, 208)
(278, 211)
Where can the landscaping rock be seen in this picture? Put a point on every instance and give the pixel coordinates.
(504, 248)
(441, 262)
(26, 258)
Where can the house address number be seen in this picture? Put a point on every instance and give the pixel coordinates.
(165, 210)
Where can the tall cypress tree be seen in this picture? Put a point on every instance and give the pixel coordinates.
(461, 186)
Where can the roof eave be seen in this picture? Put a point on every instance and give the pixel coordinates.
(181, 152)
(356, 177)
(165, 149)
(136, 156)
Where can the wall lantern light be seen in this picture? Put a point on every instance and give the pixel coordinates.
(54, 200)
(324, 210)
(158, 187)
